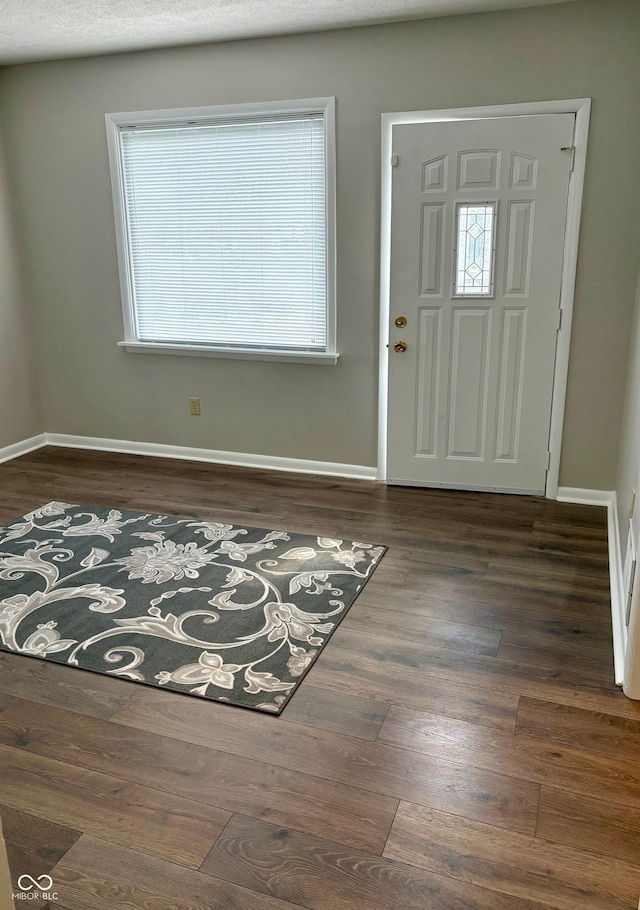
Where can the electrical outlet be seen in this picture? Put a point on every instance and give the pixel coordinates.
(194, 407)
(632, 507)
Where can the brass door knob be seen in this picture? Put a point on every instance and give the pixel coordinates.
(400, 347)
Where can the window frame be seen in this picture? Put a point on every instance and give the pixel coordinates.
(491, 293)
(114, 121)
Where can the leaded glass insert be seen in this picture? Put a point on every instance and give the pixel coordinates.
(475, 229)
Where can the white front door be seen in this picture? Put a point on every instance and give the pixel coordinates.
(477, 233)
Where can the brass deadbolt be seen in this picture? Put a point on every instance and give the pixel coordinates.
(401, 321)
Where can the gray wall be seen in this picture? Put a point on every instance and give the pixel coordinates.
(20, 414)
(58, 163)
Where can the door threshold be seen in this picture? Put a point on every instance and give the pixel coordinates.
(463, 487)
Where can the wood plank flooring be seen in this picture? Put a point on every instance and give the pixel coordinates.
(459, 744)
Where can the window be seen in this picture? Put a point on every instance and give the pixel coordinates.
(474, 249)
(225, 229)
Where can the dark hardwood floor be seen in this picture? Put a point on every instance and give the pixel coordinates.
(459, 744)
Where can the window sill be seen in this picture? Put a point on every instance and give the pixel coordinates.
(185, 350)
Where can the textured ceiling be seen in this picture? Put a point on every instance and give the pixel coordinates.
(47, 29)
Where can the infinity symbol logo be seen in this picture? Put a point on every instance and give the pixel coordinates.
(43, 883)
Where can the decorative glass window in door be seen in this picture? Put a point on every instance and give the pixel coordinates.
(475, 245)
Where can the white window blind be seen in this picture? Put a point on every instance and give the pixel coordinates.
(226, 224)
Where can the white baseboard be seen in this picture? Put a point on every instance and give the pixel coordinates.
(585, 497)
(608, 498)
(214, 456)
(22, 448)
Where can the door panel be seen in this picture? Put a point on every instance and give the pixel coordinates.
(518, 253)
(432, 249)
(469, 401)
(470, 337)
(428, 370)
(512, 338)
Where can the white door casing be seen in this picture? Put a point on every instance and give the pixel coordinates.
(469, 403)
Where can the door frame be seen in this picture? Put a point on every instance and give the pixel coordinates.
(581, 107)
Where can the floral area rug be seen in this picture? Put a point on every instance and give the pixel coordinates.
(214, 610)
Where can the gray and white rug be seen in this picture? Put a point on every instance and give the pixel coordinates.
(223, 612)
